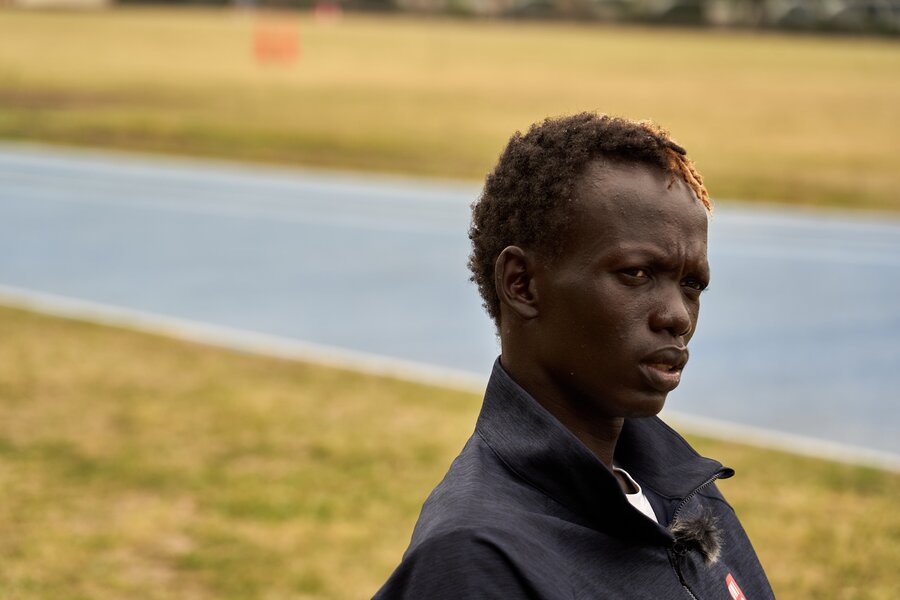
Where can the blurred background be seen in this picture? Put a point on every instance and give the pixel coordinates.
(238, 345)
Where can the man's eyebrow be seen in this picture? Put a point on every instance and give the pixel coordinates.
(641, 250)
(649, 252)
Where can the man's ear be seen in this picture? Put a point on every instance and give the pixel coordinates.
(514, 280)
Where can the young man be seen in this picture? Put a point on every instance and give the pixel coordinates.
(589, 249)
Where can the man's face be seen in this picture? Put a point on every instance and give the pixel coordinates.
(619, 305)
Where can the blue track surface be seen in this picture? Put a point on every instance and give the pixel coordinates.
(800, 331)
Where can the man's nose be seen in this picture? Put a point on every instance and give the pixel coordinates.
(672, 313)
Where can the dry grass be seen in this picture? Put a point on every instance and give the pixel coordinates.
(135, 466)
(767, 117)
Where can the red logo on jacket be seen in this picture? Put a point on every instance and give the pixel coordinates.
(734, 589)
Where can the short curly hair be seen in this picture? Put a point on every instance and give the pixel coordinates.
(525, 197)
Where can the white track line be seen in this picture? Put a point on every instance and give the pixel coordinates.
(395, 222)
(69, 161)
(239, 339)
(789, 442)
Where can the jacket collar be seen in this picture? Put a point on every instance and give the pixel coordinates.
(540, 450)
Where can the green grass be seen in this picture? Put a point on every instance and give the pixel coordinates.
(135, 466)
(767, 117)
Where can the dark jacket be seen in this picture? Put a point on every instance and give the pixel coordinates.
(527, 511)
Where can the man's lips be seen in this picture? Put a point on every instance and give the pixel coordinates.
(662, 369)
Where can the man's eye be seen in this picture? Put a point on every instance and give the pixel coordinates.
(695, 284)
(637, 272)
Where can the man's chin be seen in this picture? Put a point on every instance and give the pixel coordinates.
(649, 406)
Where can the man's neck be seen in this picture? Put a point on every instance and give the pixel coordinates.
(599, 433)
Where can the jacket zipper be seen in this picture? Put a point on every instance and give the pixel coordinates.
(678, 550)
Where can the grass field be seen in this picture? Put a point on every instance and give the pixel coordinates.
(767, 117)
(134, 466)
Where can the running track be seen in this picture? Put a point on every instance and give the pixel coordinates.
(799, 333)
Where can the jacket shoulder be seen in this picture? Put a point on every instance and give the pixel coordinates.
(464, 562)
(478, 490)
(469, 542)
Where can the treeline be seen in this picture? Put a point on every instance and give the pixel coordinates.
(862, 16)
